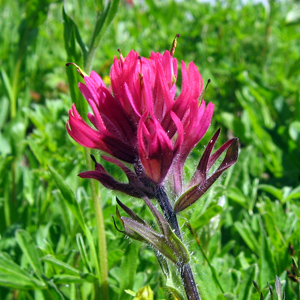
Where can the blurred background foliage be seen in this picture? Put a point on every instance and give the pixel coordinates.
(245, 228)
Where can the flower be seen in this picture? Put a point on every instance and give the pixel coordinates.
(139, 120)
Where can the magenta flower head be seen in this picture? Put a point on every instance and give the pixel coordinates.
(138, 120)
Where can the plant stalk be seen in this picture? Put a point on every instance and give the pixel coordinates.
(185, 270)
(168, 210)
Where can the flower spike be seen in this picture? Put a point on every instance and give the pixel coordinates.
(148, 131)
(139, 120)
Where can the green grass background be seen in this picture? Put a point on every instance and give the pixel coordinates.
(247, 223)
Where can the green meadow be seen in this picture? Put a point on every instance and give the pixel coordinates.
(245, 228)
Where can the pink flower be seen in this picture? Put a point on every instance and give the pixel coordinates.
(140, 121)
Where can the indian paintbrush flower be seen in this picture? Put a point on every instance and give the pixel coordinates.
(140, 121)
(148, 132)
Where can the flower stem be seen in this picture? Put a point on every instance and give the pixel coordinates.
(168, 210)
(185, 270)
(189, 282)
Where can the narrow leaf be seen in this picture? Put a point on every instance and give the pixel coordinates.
(62, 265)
(245, 289)
(206, 216)
(128, 270)
(69, 197)
(12, 276)
(82, 250)
(29, 250)
(247, 235)
(266, 262)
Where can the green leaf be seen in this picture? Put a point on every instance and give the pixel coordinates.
(236, 194)
(247, 235)
(75, 209)
(246, 287)
(293, 16)
(12, 276)
(294, 194)
(82, 250)
(103, 20)
(114, 256)
(131, 293)
(71, 35)
(226, 296)
(112, 12)
(277, 193)
(206, 216)
(206, 285)
(62, 265)
(55, 292)
(69, 197)
(38, 152)
(29, 250)
(66, 279)
(76, 276)
(128, 270)
(175, 293)
(266, 262)
(271, 228)
(7, 85)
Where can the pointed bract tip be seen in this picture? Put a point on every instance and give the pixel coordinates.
(118, 201)
(119, 217)
(79, 70)
(256, 285)
(121, 55)
(93, 158)
(174, 44)
(204, 91)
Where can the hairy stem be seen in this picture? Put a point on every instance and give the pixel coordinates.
(168, 210)
(185, 270)
(189, 282)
